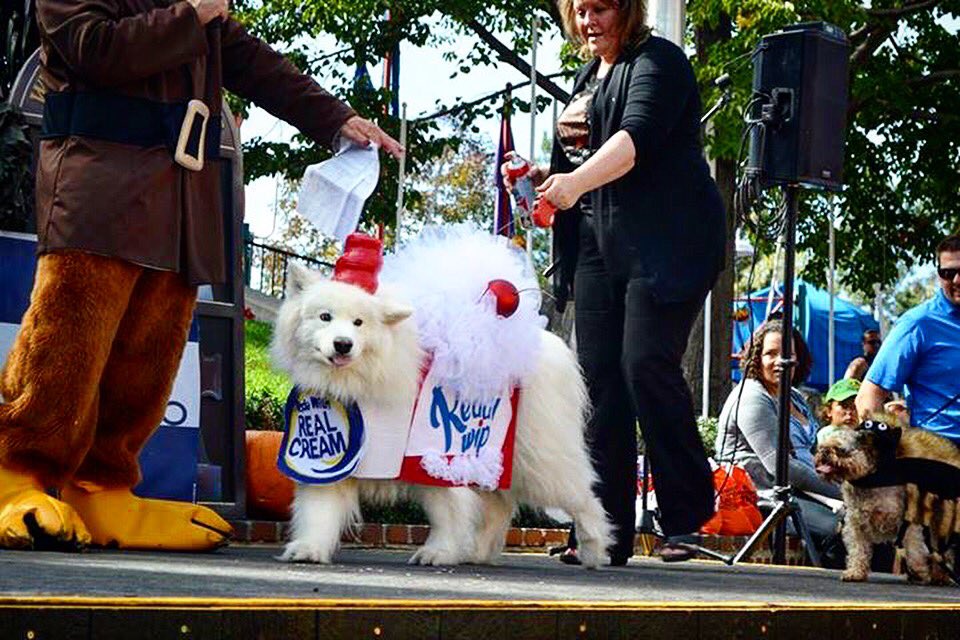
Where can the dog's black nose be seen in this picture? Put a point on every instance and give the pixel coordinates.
(342, 345)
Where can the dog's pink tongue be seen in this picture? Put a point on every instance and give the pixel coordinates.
(339, 360)
(824, 469)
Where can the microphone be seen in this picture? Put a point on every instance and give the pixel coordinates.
(724, 83)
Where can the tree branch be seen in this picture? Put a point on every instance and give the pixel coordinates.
(933, 77)
(897, 12)
(490, 96)
(875, 33)
(874, 39)
(507, 55)
(917, 114)
(554, 11)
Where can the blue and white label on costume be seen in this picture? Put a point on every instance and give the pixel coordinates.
(323, 441)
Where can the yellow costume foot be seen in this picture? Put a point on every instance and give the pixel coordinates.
(30, 519)
(117, 518)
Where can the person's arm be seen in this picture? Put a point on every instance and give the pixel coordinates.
(870, 399)
(106, 50)
(254, 71)
(660, 87)
(758, 422)
(892, 366)
(857, 369)
(657, 93)
(756, 418)
(611, 161)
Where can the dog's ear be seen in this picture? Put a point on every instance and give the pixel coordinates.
(394, 312)
(298, 278)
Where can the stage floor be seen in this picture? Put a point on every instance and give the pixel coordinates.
(376, 590)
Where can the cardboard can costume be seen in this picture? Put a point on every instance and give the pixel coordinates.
(481, 334)
(129, 222)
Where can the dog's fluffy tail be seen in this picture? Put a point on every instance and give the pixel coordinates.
(551, 465)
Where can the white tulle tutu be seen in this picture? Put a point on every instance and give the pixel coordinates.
(444, 273)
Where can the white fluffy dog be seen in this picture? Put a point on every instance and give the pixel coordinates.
(338, 340)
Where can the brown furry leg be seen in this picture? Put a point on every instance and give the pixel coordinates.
(859, 551)
(138, 377)
(917, 554)
(134, 391)
(51, 378)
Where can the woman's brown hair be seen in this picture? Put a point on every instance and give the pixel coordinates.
(632, 22)
(750, 362)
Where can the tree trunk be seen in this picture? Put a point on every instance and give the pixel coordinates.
(721, 323)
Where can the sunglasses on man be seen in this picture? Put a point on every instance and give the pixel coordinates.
(948, 273)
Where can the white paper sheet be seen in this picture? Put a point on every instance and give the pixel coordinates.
(333, 192)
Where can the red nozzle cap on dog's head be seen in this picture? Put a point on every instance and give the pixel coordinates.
(360, 263)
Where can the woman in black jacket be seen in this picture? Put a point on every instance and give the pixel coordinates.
(641, 238)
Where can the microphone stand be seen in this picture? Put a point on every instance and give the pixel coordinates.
(786, 505)
(725, 84)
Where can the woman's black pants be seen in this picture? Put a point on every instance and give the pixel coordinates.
(630, 347)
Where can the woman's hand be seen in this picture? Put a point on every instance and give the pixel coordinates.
(363, 132)
(208, 10)
(537, 173)
(561, 189)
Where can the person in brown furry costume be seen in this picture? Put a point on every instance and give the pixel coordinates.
(899, 485)
(127, 228)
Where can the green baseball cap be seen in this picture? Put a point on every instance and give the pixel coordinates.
(842, 390)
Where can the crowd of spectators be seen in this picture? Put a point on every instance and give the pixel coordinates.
(919, 360)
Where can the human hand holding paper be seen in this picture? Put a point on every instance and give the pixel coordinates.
(362, 132)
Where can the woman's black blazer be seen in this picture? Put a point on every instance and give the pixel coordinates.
(664, 220)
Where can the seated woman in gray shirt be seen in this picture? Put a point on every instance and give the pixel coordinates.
(747, 433)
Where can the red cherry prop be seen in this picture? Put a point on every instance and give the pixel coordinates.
(508, 298)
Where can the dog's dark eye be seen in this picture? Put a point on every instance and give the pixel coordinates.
(326, 317)
(357, 322)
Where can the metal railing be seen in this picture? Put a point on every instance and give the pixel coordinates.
(265, 267)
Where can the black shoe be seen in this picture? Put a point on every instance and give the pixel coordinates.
(619, 559)
(677, 551)
(568, 554)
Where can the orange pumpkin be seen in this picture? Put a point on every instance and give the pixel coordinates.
(269, 492)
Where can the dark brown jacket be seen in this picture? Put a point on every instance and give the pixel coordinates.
(132, 202)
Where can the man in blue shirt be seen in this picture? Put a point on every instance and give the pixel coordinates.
(921, 356)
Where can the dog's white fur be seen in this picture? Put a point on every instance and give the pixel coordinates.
(551, 467)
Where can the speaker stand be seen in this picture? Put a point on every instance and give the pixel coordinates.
(786, 502)
(786, 505)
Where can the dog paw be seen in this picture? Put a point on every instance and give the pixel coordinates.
(853, 575)
(919, 577)
(491, 558)
(303, 551)
(435, 556)
(591, 556)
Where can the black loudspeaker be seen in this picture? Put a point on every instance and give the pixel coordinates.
(800, 82)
